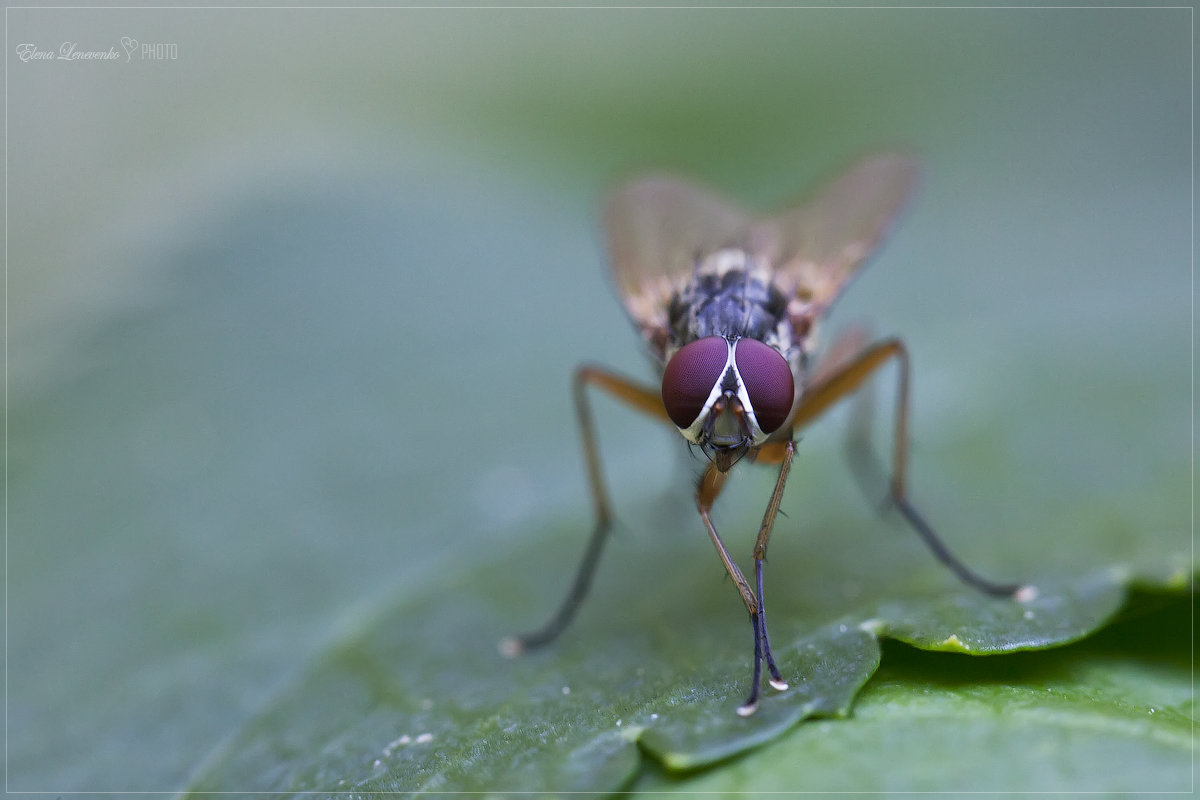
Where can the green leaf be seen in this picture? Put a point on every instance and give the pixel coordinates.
(1113, 714)
(419, 699)
(1059, 612)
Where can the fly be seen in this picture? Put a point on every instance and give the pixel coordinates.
(728, 307)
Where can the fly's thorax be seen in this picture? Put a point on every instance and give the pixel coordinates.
(732, 294)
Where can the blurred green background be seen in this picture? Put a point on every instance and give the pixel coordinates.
(291, 316)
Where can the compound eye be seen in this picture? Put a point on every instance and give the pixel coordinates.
(767, 377)
(690, 377)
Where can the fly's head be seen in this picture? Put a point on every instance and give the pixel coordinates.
(727, 395)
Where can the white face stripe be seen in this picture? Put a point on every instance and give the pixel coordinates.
(692, 432)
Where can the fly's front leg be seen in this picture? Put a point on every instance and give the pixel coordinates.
(760, 555)
(706, 494)
(837, 383)
(645, 399)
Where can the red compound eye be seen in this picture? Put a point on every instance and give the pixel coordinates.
(690, 377)
(768, 381)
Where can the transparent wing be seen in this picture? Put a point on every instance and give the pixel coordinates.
(818, 245)
(658, 226)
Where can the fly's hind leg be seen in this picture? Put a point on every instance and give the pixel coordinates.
(860, 453)
(833, 384)
(643, 398)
